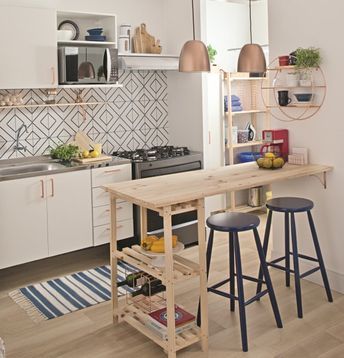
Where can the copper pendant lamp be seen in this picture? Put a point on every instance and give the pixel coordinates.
(251, 57)
(194, 55)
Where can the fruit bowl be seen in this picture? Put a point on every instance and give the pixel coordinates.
(270, 161)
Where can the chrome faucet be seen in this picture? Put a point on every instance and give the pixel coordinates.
(19, 146)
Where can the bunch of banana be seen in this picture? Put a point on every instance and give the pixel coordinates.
(154, 244)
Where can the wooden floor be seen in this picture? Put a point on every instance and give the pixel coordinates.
(90, 332)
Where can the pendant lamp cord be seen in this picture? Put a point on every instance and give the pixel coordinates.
(250, 5)
(193, 20)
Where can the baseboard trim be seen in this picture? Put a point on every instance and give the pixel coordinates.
(336, 279)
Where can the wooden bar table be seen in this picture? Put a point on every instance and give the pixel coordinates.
(170, 195)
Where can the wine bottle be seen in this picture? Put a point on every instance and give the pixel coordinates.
(134, 279)
(150, 288)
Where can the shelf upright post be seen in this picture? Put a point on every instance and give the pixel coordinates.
(113, 260)
(171, 324)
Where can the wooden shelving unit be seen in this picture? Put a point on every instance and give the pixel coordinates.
(249, 90)
(295, 110)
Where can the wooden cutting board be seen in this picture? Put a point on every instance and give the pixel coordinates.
(83, 141)
(143, 42)
(101, 158)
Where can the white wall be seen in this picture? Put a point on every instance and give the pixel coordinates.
(295, 23)
(228, 28)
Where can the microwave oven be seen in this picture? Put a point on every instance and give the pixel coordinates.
(87, 65)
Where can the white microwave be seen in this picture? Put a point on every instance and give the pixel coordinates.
(87, 65)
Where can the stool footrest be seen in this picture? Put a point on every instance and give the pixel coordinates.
(221, 283)
(307, 273)
(277, 260)
(306, 257)
(221, 293)
(256, 297)
(279, 267)
(253, 279)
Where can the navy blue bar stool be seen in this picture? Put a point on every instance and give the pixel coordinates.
(289, 206)
(233, 223)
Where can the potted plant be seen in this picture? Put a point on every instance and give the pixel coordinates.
(306, 58)
(212, 53)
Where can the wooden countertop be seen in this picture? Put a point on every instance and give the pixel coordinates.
(157, 192)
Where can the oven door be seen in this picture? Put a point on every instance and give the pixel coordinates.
(183, 225)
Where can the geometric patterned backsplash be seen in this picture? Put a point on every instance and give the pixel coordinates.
(131, 117)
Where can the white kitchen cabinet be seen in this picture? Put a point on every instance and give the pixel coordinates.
(23, 221)
(69, 211)
(101, 204)
(44, 216)
(28, 47)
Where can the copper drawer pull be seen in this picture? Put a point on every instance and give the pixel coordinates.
(117, 208)
(112, 171)
(117, 227)
(52, 188)
(42, 188)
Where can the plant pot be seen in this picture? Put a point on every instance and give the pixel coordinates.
(292, 79)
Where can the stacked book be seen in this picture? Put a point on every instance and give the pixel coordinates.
(157, 321)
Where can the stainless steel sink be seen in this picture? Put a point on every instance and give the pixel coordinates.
(17, 169)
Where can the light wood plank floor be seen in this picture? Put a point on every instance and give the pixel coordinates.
(90, 332)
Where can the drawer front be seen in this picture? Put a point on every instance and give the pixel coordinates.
(101, 214)
(101, 234)
(108, 175)
(100, 197)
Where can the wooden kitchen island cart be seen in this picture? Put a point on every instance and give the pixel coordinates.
(169, 195)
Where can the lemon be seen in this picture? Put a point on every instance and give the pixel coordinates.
(267, 163)
(270, 155)
(278, 163)
(85, 154)
(260, 162)
(94, 154)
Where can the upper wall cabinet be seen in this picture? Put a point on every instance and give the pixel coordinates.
(28, 47)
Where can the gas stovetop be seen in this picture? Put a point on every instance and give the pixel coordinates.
(153, 154)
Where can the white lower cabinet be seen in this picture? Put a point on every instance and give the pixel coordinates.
(23, 221)
(69, 211)
(101, 205)
(44, 216)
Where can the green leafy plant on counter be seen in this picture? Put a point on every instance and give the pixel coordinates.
(212, 53)
(307, 57)
(65, 152)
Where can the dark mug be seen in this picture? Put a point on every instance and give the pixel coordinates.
(283, 98)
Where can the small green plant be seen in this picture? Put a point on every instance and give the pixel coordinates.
(212, 53)
(65, 152)
(307, 57)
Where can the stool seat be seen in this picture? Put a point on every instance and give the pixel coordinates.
(233, 222)
(290, 205)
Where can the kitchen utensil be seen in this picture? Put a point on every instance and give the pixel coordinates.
(255, 196)
(143, 42)
(70, 25)
(83, 141)
(303, 97)
(64, 35)
(101, 158)
(283, 98)
(96, 31)
(95, 38)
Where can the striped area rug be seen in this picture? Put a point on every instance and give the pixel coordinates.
(55, 298)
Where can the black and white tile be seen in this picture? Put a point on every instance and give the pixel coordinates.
(131, 117)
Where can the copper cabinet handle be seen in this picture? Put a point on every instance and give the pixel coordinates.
(117, 227)
(42, 188)
(112, 171)
(52, 187)
(52, 75)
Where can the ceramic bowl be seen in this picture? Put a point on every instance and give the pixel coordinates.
(64, 35)
(95, 32)
(303, 97)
